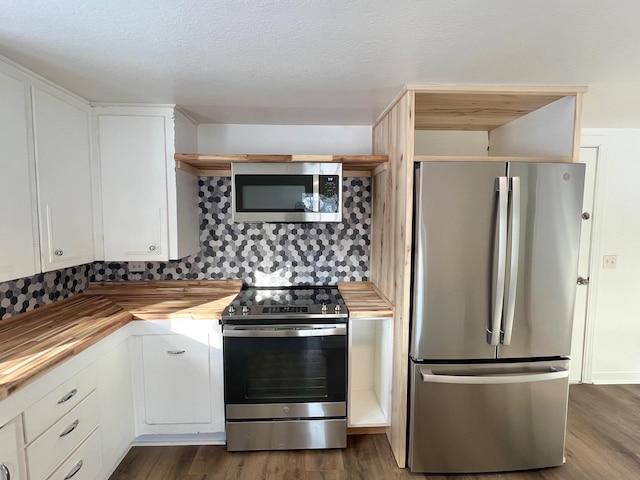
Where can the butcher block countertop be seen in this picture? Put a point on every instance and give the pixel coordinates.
(35, 342)
(364, 301)
(166, 299)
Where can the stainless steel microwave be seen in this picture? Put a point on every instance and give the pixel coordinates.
(286, 192)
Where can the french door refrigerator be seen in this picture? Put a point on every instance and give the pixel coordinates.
(494, 279)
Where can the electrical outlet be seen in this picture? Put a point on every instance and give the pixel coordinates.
(610, 261)
(137, 267)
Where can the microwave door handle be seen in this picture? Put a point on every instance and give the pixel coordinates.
(316, 193)
(514, 228)
(499, 260)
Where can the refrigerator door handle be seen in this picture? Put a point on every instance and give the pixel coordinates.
(428, 376)
(500, 260)
(514, 234)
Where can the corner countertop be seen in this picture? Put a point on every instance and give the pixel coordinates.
(364, 300)
(35, 342)
(167, 299)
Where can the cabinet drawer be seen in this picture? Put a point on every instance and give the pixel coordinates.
(83, 464)
(51, 448)
(46, 411)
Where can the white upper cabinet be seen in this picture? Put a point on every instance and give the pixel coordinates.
(62, 153)
(149, 211)
(18, 244)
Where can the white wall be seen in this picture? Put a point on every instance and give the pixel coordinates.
(285, 139)
(614, 302)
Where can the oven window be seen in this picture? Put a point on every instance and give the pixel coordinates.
(274, 193)
(276, 370)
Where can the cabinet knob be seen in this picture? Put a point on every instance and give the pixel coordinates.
(5, 472)
(58, 253)
(152, 248)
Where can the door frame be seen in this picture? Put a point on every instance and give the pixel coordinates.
(598, 142)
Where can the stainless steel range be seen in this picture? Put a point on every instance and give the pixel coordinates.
(285, 369)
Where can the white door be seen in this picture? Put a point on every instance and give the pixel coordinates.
(63, 164)
(134, 187)
(18, 234)
(588, 156)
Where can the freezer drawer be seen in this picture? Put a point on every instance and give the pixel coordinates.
(487, 418)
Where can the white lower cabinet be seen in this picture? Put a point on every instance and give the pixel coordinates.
(11, 453)
(370, 369)
(51, 448)
(83, 464)
(115, 398)
(178, 379)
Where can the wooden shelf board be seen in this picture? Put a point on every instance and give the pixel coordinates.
(365, 410)
(220, 164)
(442, 158)
(475, 110)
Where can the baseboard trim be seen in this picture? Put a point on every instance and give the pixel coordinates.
(180, 439)
(611, 378)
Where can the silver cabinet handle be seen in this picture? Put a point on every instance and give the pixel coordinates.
(68, 396)
(152, 248)
(429, 377)
(70, 428)
(58, 253)
(500, 260)
(5, 471)
(514, 233)
(75, 470)
(175, 352)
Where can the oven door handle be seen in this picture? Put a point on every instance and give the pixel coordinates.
(284, 330)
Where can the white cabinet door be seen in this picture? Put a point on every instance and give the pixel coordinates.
(11, 452)
(115, 399)
(18, 235)
(176, 379)
(61, 133)
(134, 187)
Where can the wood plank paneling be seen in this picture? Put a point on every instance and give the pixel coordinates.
(391, 247)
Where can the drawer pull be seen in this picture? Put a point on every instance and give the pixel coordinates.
(68, 396)
(6, 474)
(175, 352)
(75, 470)
(70, 429)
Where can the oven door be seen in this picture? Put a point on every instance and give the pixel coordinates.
(285, 371)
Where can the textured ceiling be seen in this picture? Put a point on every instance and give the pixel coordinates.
(324, 61)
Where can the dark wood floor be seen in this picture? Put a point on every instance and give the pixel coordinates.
(603, 442)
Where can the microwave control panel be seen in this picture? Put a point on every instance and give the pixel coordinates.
(329, 193)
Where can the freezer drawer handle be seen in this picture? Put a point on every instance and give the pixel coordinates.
(428, 376)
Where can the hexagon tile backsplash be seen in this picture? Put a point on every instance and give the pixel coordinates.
(267, 253)
(259, 254)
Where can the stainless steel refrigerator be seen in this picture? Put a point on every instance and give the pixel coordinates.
(494, 279)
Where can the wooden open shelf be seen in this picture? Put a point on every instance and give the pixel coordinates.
(480, 107)
(220, 164)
